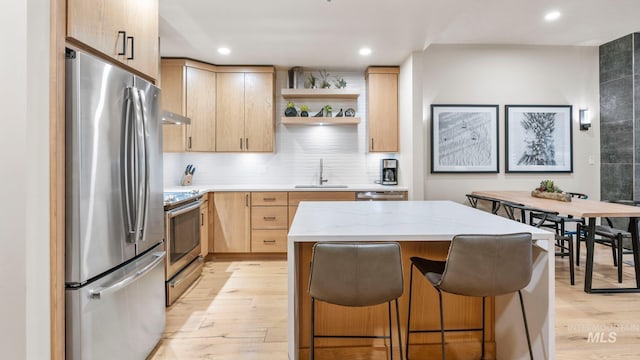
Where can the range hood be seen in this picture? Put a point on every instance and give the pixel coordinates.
(175, 119)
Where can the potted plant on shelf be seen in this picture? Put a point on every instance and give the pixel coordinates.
(327, 110)
(312, 81)
(304, 110)
(290, 110)
(324, 79)
(339, 82)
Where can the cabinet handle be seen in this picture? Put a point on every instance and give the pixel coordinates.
(269, 241)
(189, 142)
(269, 199)
(269, 218)
(201, 219)
(130, 38)
(124, 42)
(240, 143)
(246, 143)
(246, 200)
(371, 143)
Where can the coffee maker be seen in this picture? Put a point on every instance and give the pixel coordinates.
(389, 172)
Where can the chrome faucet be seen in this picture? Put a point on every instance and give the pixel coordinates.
(322, 181)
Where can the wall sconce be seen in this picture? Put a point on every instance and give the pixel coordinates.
(585, 120)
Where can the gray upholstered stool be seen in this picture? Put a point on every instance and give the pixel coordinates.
(477, 265)
(356, 274)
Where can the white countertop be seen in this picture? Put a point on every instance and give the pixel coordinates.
(398, 220)
(284, 187)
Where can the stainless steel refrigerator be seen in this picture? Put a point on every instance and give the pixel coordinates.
(115, 306)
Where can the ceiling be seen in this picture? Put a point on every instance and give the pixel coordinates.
(328, 34)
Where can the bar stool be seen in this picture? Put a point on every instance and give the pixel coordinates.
(481, 266)
(356, 275)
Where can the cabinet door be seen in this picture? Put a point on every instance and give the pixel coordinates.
(201, 109)
(231, 232)
(96, 23)
(258, 112)
(204, 228)
(230, 112)
(142, 27)
(173, 99)
(382, 116)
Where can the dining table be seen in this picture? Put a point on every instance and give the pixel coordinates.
(590, 210)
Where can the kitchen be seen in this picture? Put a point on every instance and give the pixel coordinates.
(440, 74)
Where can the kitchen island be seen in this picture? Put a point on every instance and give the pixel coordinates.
(423, 228)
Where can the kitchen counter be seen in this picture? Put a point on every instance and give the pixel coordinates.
(285, 187)
(423, 228)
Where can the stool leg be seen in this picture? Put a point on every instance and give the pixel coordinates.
(441, 323)
(578, 245)
(619, 259)
(399, 333)
(409, 311)
(390, 331)
(526, 326)
(312, 345)
(572, 273)
(483, 314)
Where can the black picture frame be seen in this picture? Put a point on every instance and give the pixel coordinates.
(464, 138)
(538, 138)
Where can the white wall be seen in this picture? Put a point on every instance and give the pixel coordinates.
(493, 74)
(298, 149)
(24, 156)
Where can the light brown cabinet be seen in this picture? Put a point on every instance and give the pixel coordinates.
(231, 219)
(125, 30)
(297, 196)
(204, 228)
(382, 109)
(269, 222)
(189, 89)
(244, 109)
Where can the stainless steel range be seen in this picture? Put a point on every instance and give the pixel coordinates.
(182, 237)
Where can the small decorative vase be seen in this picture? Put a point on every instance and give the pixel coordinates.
(304, 113)
(290, 111)
(329, 113)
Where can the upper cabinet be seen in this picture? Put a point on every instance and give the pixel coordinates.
(244, 109)
(125, 30)
(189, 89)
(382, 108)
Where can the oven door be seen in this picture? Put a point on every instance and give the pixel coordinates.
(182, 236)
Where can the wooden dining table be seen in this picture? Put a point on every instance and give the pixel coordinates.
(589, 210)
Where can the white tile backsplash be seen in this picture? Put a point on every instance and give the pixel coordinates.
(298, 149)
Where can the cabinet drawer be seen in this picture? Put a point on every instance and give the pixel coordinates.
(269, 217)
(270, 198)
(269, 241)
(296, 196)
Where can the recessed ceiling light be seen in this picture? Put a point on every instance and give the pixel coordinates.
(553, 15)
(224, 51)
(365, 51)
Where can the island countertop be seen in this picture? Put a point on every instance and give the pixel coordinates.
(398, 220)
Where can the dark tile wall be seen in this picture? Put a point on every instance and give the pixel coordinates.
(617, 127)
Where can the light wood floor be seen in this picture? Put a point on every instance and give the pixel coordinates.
(238, 310)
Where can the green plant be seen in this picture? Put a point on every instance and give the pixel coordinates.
(340, 83)
(328, 108)
(291, 104)
(324, 78)
(304, 108)
(312, 80)
(548, 186)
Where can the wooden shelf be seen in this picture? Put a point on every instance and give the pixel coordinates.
(297, 120)
(320, 93)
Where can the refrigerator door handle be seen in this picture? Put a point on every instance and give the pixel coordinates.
(118, 284)
(144, 136)
(139, 168)
(128, 167)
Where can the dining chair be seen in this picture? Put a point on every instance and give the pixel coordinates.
(478, 266)
(539, 218)
(473, 201)
(356, 275)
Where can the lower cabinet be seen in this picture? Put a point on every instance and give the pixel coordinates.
(269, 222)
(231, 219)
(204, 228)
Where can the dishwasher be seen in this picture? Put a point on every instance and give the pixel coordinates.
(381, 196)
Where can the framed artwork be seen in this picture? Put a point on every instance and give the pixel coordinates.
(464, 139)
(538, 138)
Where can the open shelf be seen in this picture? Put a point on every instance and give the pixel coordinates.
(297, 120)
(320, 93)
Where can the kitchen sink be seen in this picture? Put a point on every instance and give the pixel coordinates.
(324, 186)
